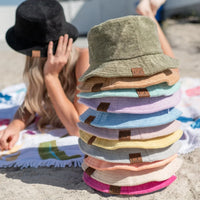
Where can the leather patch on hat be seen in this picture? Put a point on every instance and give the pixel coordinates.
(143, 92)
(89, 171)
(137, 72)
(124, 135)
(36, 54)
(97, 87)
(91, 140)
(135, 158)
(103, 106)
(167, 72)
(85, 156)
(114, 189)
(89, 119)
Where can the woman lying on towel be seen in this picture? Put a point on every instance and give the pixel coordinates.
(53, 67)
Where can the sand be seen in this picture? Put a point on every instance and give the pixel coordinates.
(66, 183)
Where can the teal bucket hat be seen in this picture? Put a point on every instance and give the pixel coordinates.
(152, 91)
(126, 47)
(125, 121)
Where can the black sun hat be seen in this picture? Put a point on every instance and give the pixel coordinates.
(37, 22)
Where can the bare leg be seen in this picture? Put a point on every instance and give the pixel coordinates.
(163, 41)
(144, 9)
(155, 5)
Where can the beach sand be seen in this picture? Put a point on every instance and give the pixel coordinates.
(66, 183)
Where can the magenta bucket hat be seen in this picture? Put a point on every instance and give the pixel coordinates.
(133, 105)
(128, 190)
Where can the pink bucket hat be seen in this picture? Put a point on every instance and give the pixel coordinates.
(133, 105)
(130, 178)
(128, 190)
(96, 84)
(103, 165)
(131, 134)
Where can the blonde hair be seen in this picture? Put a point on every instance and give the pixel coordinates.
(37, 100)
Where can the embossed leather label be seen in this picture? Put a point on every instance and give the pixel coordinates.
(97, 87)
(89, 119)
(124, 135)
(135, 158)
(114, 189)
(36, 53)
(91, 140)
(89, 171)
(103, 106)
(143, 92)
(137, 72)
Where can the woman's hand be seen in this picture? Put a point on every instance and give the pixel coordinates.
(8, 138)
(55, 63)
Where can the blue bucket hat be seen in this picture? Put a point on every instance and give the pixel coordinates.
(124, 120)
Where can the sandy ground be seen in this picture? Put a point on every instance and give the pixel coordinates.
(66, 183)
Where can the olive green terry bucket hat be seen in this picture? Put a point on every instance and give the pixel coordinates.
(126, 47)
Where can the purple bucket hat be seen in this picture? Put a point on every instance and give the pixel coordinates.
(133, 105)
(133, 134)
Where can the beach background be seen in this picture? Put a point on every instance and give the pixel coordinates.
(66, 183)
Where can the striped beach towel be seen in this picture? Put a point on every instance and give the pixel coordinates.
(34, 149)
(56, 148)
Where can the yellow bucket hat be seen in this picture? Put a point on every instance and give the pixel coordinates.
(155, 143)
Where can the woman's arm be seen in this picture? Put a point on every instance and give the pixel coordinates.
(10, 135)
(67, 112)
(81, 66)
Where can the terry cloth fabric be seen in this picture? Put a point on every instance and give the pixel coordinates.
(152, 91)
(36, 24)
(130, 178)
(190, 105)
(133, 105)
(126, 47)
(128, 190)
(125, 142)
(125, 121)
(35, 149)
(96, 84)
(132, 134)
(129, 155)
(103, 165)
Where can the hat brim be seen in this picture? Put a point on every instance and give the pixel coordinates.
(103, 165)
(128, 190)
(26, 47)
(154, 91)
(132, 105)
(151, 64)
(170, 76)
(126, 121)
(122, 155)
(131, 178)
(134, 134)
(155, 143)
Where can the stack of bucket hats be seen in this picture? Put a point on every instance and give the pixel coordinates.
(129, 132)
